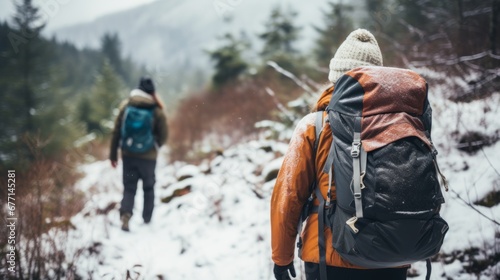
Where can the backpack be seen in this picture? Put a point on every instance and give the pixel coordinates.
(388, 183)
(137, 129)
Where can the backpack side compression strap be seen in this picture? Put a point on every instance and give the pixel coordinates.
(321, 236)
(321, 208)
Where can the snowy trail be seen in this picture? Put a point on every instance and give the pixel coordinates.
(221, 228)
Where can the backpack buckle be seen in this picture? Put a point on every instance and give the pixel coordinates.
(351, 223)
(355, 149)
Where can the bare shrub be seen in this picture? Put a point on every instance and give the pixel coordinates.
(45, 199)
(224, 116)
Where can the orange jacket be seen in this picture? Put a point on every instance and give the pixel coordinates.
(291, 192)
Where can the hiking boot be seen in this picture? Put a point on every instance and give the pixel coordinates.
(125, 219)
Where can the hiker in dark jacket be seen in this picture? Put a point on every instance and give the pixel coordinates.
(139, 165)
(292, 188)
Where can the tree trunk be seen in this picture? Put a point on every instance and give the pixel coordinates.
(495, 10)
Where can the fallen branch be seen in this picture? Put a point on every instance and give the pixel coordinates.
(455, 60)
(280, 106)
(288, 74)
(474, 208)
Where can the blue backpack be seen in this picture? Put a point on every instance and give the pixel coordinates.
(137, 130)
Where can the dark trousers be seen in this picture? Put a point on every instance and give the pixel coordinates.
(133, 170)
(312, 273)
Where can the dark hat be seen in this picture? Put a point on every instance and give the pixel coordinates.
(146, 85)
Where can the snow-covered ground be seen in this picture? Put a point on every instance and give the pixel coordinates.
(220, 230)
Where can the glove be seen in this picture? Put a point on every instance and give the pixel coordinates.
(281, 272)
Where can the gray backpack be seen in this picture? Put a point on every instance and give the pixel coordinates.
(388, 183)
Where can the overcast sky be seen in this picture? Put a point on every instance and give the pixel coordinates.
(59, 13)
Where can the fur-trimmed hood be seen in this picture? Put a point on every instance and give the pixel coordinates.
(140, 98)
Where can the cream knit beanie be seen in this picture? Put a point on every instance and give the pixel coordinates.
(359, 49)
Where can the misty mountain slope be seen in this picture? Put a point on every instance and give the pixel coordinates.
(220, 229)
(171, 34)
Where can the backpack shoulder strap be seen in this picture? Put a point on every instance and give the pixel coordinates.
(318, 129)
(318, 126)
(308, 207)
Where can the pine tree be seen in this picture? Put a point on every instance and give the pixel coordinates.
(55, 122)
(106, 95)
(25, 41)
(228, 61)
(12, 104)
(111, 50)
(338, 24)
(84, 112)
(22, 82)
(280, 37)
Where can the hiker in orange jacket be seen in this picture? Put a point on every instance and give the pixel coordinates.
(301, 167)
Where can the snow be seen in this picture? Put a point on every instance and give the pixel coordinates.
(221, 228)
(272, 167)
(188, 171)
